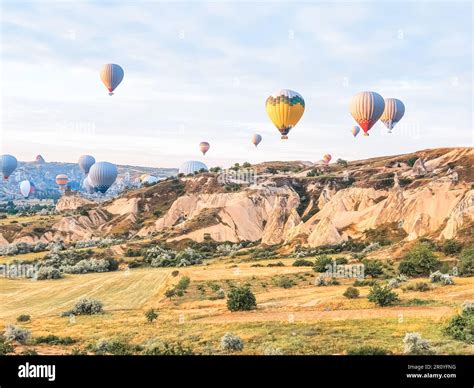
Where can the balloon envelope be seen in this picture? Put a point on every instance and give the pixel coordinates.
(327, 158)
(102, 175)
(27, 188)
(191, 167)
(111, 75)
(204, 147)
(85, 163)
(393, 113)
(285, 108)
(256, 139)
(88, 186)
(355, 130)
(366, 108)
(8, 163)
(150, 179)
(62, 180)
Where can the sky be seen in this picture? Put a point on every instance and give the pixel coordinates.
(201, 71)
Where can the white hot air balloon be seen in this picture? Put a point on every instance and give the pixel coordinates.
(27, 188)
(192, 166)
(102, 175)
(393, 113)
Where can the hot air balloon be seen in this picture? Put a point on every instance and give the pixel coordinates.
(143, 177)
(327, 158)
(355, 130)
(62, 180)
(111, 75)
(256, 139)
(8, 164)
(102, 175)
(191, 167)
(87, 186)
(366, 108)
(27, 188)
(204, 147)
(85, 163)
(393, 113)
(39, 159)
(150, 179)
(285, 109)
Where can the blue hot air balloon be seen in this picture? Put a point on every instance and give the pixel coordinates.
(8, 163)
(111, 75)
(85, 163)
(102, 175)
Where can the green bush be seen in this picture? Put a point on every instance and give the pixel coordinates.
(151, 315)
(5, 347)
(86, 306)
(168, 349)
(382, 296)
(367, 350)
(418, 286)
(283, 282)
(372, 268)
(183, 283)
(322, 262)
(351, 293)
(461, 327)
(116, 348)
(419, 261)
(23, 318)
(411, 161)
(54, 340)
(231, 343)
(466, 262)
(303, 263)
(451, 247)
(241, 298)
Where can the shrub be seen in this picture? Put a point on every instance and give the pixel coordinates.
(411, 161)
(241, 299)
(5, 348)
(86, 306)
(372, 268)
(451, 247)
(321, 263)
(364, 283)
(116, 348)
(418, 286)
(231, 343)
(168, 349)
(54, 340)
(466, 262)
(283, 282)
(342, 162)
(320, 282)
(175, 273)
(23, 318)
(415, 344)
(183, 283)
(367, 350)
(383, 296)
(351, 293)
(48, 273)
(277, 264)
(271, 351)
(419, 261)
(461, 327)
(303, 263)
(16, 333)
(170, 292)
(443, 278)
(151, 315)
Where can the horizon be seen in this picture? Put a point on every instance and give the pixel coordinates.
(202, 72)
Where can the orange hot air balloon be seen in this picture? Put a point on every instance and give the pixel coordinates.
(62, 180)
(366, 108)
(204, 147)
(327, 158)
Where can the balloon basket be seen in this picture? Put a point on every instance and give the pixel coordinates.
(284, 137)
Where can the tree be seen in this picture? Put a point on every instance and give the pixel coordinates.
(151, 315)
(372, 268)
(241, 299)
(466, 259)
(321, 263)
(170, 292)
(351, 293)
(419, 261)
(383, 296)
(342, 162)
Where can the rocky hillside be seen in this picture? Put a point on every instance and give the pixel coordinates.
(427, 193)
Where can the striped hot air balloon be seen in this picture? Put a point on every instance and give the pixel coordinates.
(27, 188)
(62, 180)
(327, 158)
(111, 75)
(393, 113)
(285, 108)
(8, 164)
(204, 147)
(88, 186)
(256, 139)
(102, 175)
(366, 108)
(85, 163)
(355, 130)
(192, 166)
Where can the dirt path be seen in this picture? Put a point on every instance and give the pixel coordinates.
(305, 316)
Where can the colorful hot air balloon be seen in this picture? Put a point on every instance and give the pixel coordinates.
(8, 163)
(285, 109)
(256, 139)
(111, 75)
(102, 175)
(204, 147)
(27, 188)
(62, 180)
(366, 108)
(327, 158)
(191, 167)
(393, 113)
(355, 130)
(85, 163)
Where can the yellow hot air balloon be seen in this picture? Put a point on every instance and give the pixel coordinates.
(285, 109)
